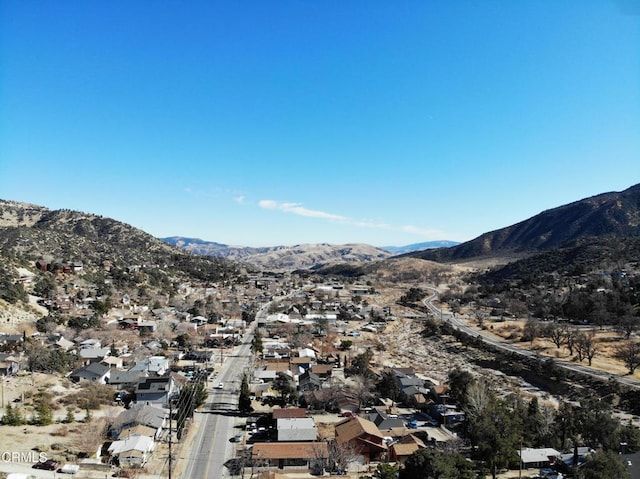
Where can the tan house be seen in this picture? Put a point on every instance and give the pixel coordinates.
(407, 445)
(363, 436)
(289, 454)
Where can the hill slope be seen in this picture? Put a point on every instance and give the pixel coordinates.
(304, 256)
(608, 214)
(29, 232)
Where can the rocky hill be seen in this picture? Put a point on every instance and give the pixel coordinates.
(615, 214)
(29, 232)
(303, 256)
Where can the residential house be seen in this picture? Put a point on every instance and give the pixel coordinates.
(90, 344)
(268, 375)
(307, 353)
(93, 372)
(310, 455)
(405, 447)
(156, 391)
(140, 414)
(363, 436)
(133, 451)
(538, 458)
(301, 364)
(11, 342)
(446, 414)
(9, 365)
(137, 430)
(93, 355)
(64, 344)
(200, 356)
(126, 380)
(157, 365)
(324, 371)
(296, 429)
(309, 381)
(113, 362)
(383, 420)
(146, 327)
(288, 413)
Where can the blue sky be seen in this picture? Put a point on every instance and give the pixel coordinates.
(264, 123)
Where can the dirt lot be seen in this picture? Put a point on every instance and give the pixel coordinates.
(59, 440)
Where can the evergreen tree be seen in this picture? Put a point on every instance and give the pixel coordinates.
(256, 343)
(434, 464)
(12, 417)
(244, 402)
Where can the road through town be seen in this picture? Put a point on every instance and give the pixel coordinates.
(218, 421)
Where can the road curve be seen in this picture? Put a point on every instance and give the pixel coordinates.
(571, 366)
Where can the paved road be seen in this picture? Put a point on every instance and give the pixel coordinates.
(216, 424)
(464, 327)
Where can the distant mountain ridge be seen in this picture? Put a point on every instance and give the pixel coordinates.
(302, 256)
(609, 214)
(420, 246)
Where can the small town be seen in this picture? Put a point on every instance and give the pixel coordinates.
(320, 239)
(272, 375)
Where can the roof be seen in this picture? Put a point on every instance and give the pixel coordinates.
(290, 412)
(137, 443)
(120, 377)
(64, 343)
(154, 363)
(301, 360)
(142, 414)
(91, 353)
(289, 450)
(154, 385)
(137, 430)
(296, 423)
(354, 427)
(400, 449)
(529, 455)
(322, 368)
(91, 370)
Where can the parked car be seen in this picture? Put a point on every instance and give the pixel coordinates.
(69, 469)
(48, 465)
(220, 386)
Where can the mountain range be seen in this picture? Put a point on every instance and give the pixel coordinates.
(30, 231)
(607, 215)
(302, 256)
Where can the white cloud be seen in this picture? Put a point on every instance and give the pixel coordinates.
(239, 199)
(298, 209)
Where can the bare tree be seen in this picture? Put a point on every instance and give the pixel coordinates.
(478, 398)
(362, 387)
(570, 338)
(531, 330)
(586, 346)
(629, 354)
(627, 325)
(342, 455)
(556, 334)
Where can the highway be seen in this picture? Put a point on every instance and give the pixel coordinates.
(464, 327)
(216, 423)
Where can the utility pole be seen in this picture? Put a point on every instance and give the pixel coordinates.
(170, 438)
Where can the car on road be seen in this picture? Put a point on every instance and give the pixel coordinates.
(220, 386)
(236, 438)
(48, 465)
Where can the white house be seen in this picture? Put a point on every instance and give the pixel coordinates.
(132, 451)
(296, 429)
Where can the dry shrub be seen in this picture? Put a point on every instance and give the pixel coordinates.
(61, 432)
(91, 396)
